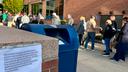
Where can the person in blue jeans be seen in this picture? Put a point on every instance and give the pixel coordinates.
(90, 35)
(91, 27)
(107, 35)
(120, 51)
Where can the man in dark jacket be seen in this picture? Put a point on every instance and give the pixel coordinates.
(114, 24)
(107, 35)
(122, 44)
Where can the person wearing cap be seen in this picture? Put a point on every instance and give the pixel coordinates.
(55, 19)
(107, 35)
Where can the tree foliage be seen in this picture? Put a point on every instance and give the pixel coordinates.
(13, 6)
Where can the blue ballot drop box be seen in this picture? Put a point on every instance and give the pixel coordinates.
(35, 28)
(68, 43)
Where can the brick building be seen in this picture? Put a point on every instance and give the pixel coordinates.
(94, 7)
(77, 7)
(46, 7)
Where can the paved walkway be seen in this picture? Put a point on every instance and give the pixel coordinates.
(93, 61)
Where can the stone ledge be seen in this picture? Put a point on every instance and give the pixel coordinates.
(12, 36)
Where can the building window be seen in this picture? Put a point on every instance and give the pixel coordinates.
(60, 8)
(50, 8)
(1, 8)
(36, 8)
(25, 9)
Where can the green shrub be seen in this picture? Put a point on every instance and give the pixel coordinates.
(63, 22)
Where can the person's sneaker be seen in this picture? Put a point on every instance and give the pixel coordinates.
(87, 48)
(104, 51)
(113, 59)
(93, 49)
(106, 54)
(81, 46)
(110, 50)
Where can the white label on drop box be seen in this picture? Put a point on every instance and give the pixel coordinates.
(21, 59)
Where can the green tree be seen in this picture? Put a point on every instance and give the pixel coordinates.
(13, 6)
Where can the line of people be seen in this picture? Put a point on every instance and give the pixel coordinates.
(22, 18)
(19, 19)
(87, 31)
(111, 31)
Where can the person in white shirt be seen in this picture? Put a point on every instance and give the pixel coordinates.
(25, 19)
(70, 20)
(56, 19)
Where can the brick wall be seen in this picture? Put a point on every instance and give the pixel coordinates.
(92, 7)
(50, 66)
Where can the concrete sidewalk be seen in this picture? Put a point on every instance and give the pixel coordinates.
(93, 61)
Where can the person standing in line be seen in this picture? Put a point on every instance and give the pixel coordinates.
(14, 19)
(30, 17)
(17, 20)
(25, 19)
(114, 27)
(114, 24)
(10, 20)
(82, 18)
(40, 19)
(70, 20)
(122, 39)
(80, 29)
(55, 19)
(91, 27)
(5, 18)
(34, 19)
(107, 35)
